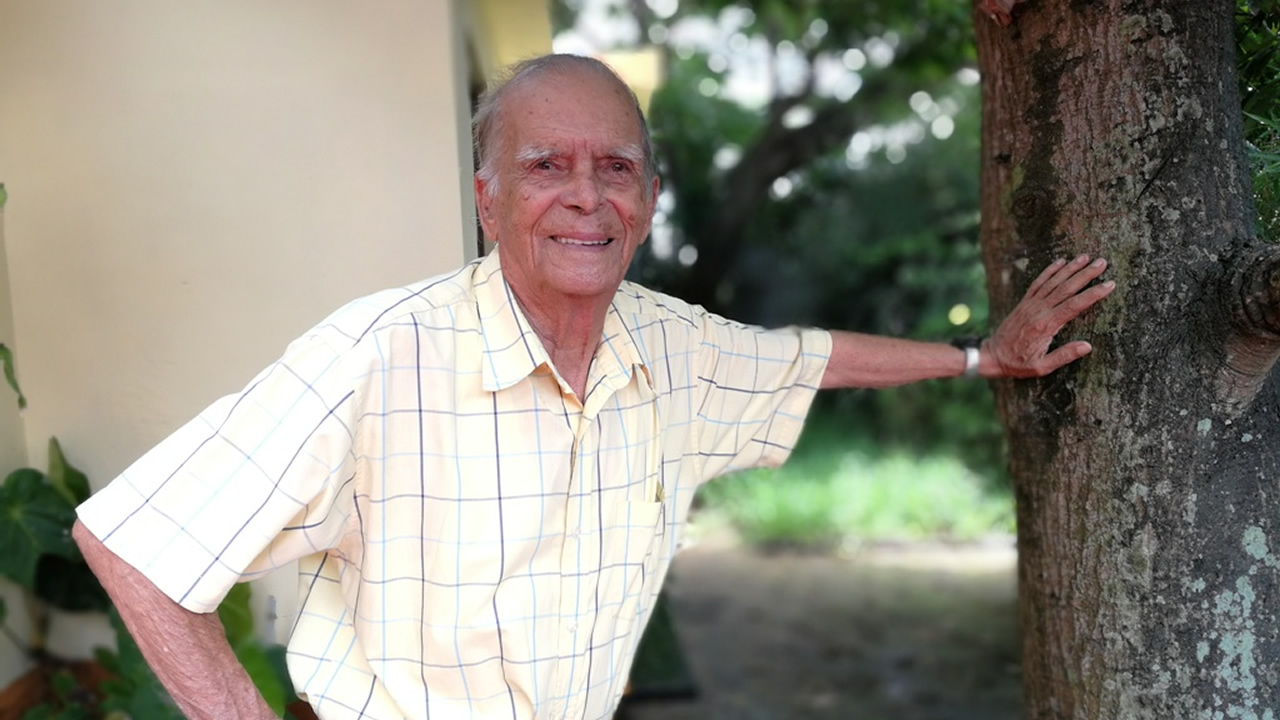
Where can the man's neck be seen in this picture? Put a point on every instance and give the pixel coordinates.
(570, 336)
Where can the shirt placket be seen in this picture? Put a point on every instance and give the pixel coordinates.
(582, 552)
(578, 563)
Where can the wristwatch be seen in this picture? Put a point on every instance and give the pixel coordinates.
(971, 346)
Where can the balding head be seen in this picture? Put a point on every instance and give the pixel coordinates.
(487, 123)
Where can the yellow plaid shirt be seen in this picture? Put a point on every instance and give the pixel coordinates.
(475, 541)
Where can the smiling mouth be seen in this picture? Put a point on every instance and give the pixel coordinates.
(581, 243)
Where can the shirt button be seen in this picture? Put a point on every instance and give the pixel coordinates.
(574, 532)
(571, 628)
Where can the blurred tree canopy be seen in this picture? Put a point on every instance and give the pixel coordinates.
(819, 164)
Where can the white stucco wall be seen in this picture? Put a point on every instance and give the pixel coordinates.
(192, 185)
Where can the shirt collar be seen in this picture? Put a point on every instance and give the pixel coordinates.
(512, 350)
(616, 357)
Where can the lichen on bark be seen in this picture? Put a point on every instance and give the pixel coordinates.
(1112, 128)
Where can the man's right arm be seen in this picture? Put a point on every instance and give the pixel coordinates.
(188, 651)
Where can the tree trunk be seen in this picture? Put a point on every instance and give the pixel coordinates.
(1146, 474)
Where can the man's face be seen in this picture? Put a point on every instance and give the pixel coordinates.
(571, 205)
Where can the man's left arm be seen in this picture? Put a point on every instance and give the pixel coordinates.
(1019, 348)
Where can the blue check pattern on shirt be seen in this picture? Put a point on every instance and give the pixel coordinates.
(474, 540)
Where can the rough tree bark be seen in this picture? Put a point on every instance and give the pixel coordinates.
(1147, 475)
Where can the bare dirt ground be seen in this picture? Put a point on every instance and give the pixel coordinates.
(909, 632)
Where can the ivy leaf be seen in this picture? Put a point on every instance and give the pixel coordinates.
(67, 480)
(11, 375)
(69, 585)
(34, 520)
(108, 660)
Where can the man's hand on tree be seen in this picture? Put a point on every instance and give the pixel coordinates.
(1020, 346)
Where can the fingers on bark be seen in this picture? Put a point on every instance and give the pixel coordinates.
(1252, 297)
(1044, 276)
(1060, 283)
(1082, 301)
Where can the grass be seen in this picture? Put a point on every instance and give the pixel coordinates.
(829, 495)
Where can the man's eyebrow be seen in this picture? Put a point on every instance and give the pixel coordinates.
(533, 153)
(631, 153)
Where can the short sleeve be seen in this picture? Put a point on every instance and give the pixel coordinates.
(254, 482)
(759, 387)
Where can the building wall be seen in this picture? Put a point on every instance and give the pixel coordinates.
(13, 454)
(192, 185)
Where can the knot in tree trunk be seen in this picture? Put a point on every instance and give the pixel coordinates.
(1252, 297)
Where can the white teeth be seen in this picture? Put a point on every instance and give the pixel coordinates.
(584, 243)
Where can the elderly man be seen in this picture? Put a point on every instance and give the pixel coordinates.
(483, 476)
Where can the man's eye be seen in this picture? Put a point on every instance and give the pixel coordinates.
(544, 165)
(619, 167)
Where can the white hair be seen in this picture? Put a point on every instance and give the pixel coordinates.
(486, 122)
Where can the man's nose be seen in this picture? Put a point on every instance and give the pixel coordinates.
(584, 192)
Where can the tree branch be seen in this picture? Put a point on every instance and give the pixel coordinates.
(1252, 297)
(781, 150)
(645, 17)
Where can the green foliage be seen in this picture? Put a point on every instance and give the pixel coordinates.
(237, 618)
(1258, 45)
(137, 693)
(1258, 48)
(1264, 156)
(70, 483)
(36, 549)
(69, 584)
(6, 355)
(37, 552)
(66, 706)
(134, 690)
(836, 25)
(882, 241)
(834, 491)
(36, 523)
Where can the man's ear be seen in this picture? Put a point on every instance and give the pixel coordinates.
(654, 189)
(484, 208)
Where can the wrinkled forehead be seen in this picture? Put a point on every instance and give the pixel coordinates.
(573, 107)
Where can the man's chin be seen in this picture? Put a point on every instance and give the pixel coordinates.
(586, 288)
